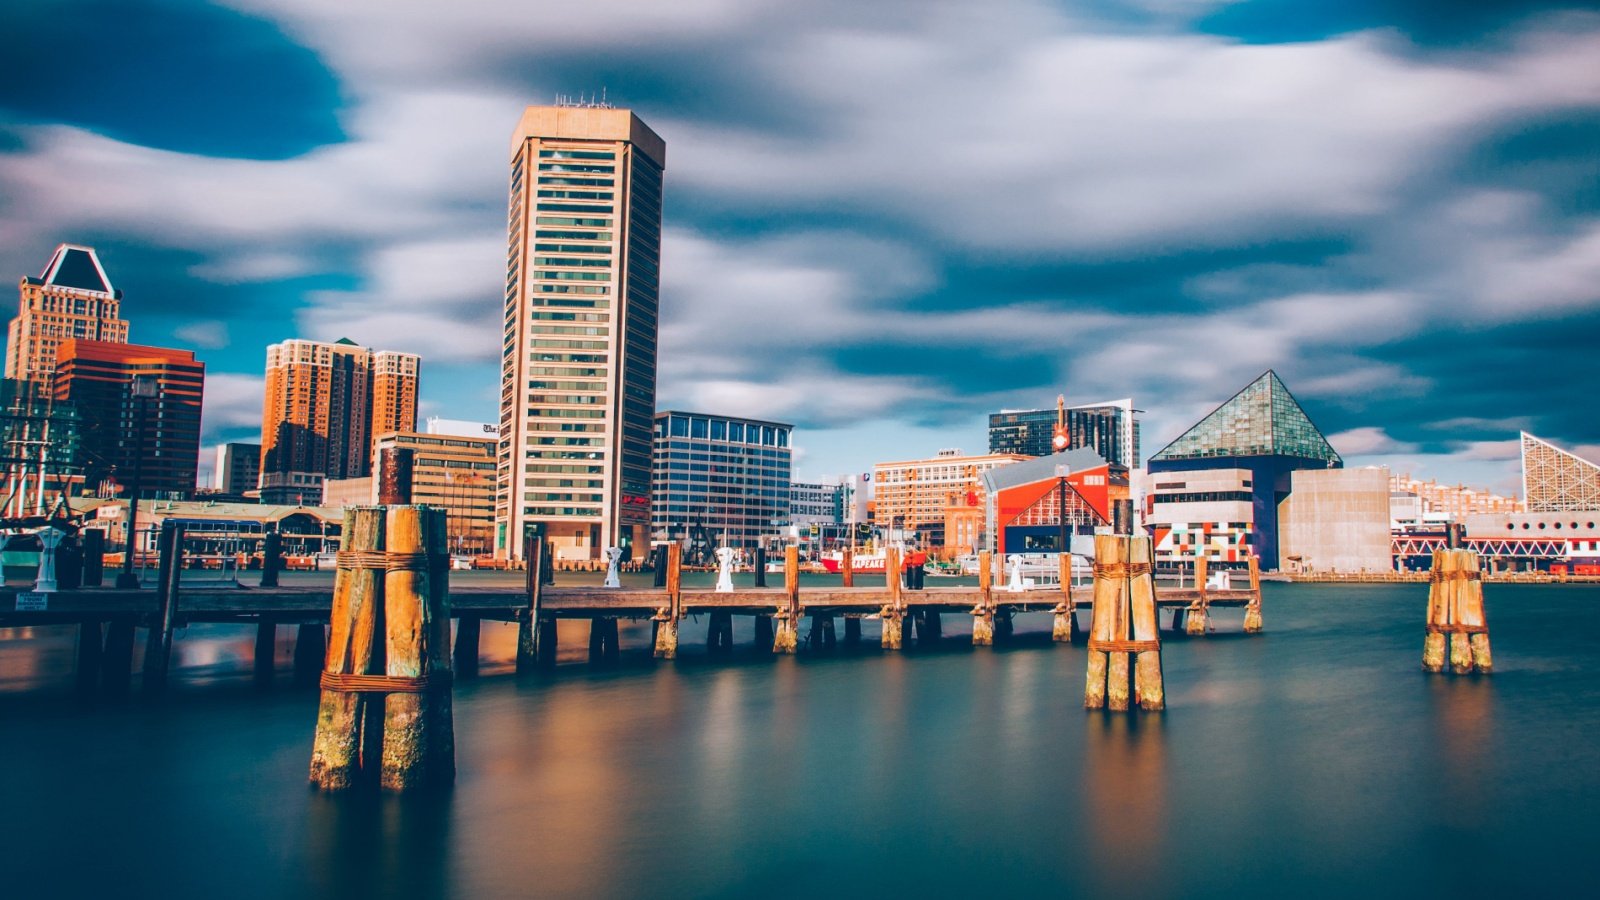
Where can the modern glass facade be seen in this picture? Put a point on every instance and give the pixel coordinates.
(730, 476)
(1109, 429)
(1262, 430)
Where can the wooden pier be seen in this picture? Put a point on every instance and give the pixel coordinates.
(108, 617)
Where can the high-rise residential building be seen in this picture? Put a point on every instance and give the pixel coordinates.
(913, 495)
(141, 413)
(1450, 502)
(1263, 431)
(578, 360)
(238, 468)
(72, 299)
(323, 403)
(1110, 429)
(728, 475)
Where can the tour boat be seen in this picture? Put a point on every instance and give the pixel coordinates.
(868, 562)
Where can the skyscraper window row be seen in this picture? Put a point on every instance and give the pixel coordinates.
(580, 181)
(559, 153)
(571, 222)
(572, 261)
(562, 275)
(562, 194)
(551, 235)
(596, 249)
(574, 207)
(577, 167)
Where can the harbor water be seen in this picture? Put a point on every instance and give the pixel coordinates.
(1314, 760)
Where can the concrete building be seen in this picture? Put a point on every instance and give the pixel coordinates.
(913, 495)
(72, 299)
(1201, 512)
(578, 368)
(1261, 429)
(729, 476)
(148, 442)
(238, 468)
(323, 403)
(1336, 520)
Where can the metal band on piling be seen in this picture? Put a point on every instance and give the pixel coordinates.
(384, 684)
(1121, 570)
(1457, 628)
(1129, 646)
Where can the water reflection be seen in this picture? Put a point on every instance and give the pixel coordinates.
(362, 845)
(1463, 724)
(1125, 780)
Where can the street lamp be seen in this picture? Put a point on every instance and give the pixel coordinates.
(142, 388)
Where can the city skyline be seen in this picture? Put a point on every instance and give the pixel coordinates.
(1398, 216)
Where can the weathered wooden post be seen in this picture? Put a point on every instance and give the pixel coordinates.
(666, 618)
(931, 629)
(91, 643)
(528, 621)
(271, 558)
(983, 613)
(310, 648)
(822, 633)
(1198, 615)
(116, 662)
(893, 613)
(265, 658)
(1455, 608)
(787, 638)
(395, 468)
(719, 634)
(852, 631)
(1124, 624)
(761, 567)
(464, 660)
(1252, 609)
(353, 650)
(847, 567)
(1065, 627)
(417, 715)
(158, 638)
(603, 645)
(94, 556)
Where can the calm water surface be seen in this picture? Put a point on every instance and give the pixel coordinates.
(1315, 760)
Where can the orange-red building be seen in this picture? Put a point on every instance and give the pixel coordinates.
(150, 443)
(1032, 504)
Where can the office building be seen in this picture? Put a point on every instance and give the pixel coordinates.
(724, 474)
(146, 439)
(1262, 430)
(1110, 429)
(322, 404)
(72, 299)
(913, 495)
(238, 468)
(578, 364)
(456, 474)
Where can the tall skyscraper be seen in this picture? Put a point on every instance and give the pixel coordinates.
(578, 360)
(1110, 429)
(150, 443)
(238, 468)
(324, 404)
(72, 299)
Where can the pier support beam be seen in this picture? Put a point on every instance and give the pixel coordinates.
(893, 612)
(90, 647)
(719, 634)
(764, 639)
(418, 719)
(852, 631)
(787, 638)
(930, 629)
(158, 638)
(1064, 629)
(983, 613)
(530, 625)
(266, 650)
(822, 634)
(1252, 611)
(666, 618)
(310, 647)
(1197, 618)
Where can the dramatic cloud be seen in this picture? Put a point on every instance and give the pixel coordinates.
(883, 221)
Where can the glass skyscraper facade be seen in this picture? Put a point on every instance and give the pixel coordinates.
(1109, 429)
(728, 475)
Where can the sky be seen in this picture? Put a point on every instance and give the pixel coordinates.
(883, 220)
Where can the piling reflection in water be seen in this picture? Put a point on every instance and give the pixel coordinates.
(1125, 801)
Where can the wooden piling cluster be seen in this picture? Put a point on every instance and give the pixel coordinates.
(385, 712)
(1124, 627)
(1455, 609)
(893, 613)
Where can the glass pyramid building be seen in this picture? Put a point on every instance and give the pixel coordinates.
(1554, 480)
(1264, 419)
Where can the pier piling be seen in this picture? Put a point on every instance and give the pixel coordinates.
(666, 618)
(1455, 609)
(787, 636)
(1064, 629)
(983, 613)
(158, 638)
(1197, 617)
(719, 635)
(336, 754)
(1124, 626)
(418, 747)
(529, 622)
(310, 647)
(893, 612)
(1252, 610)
